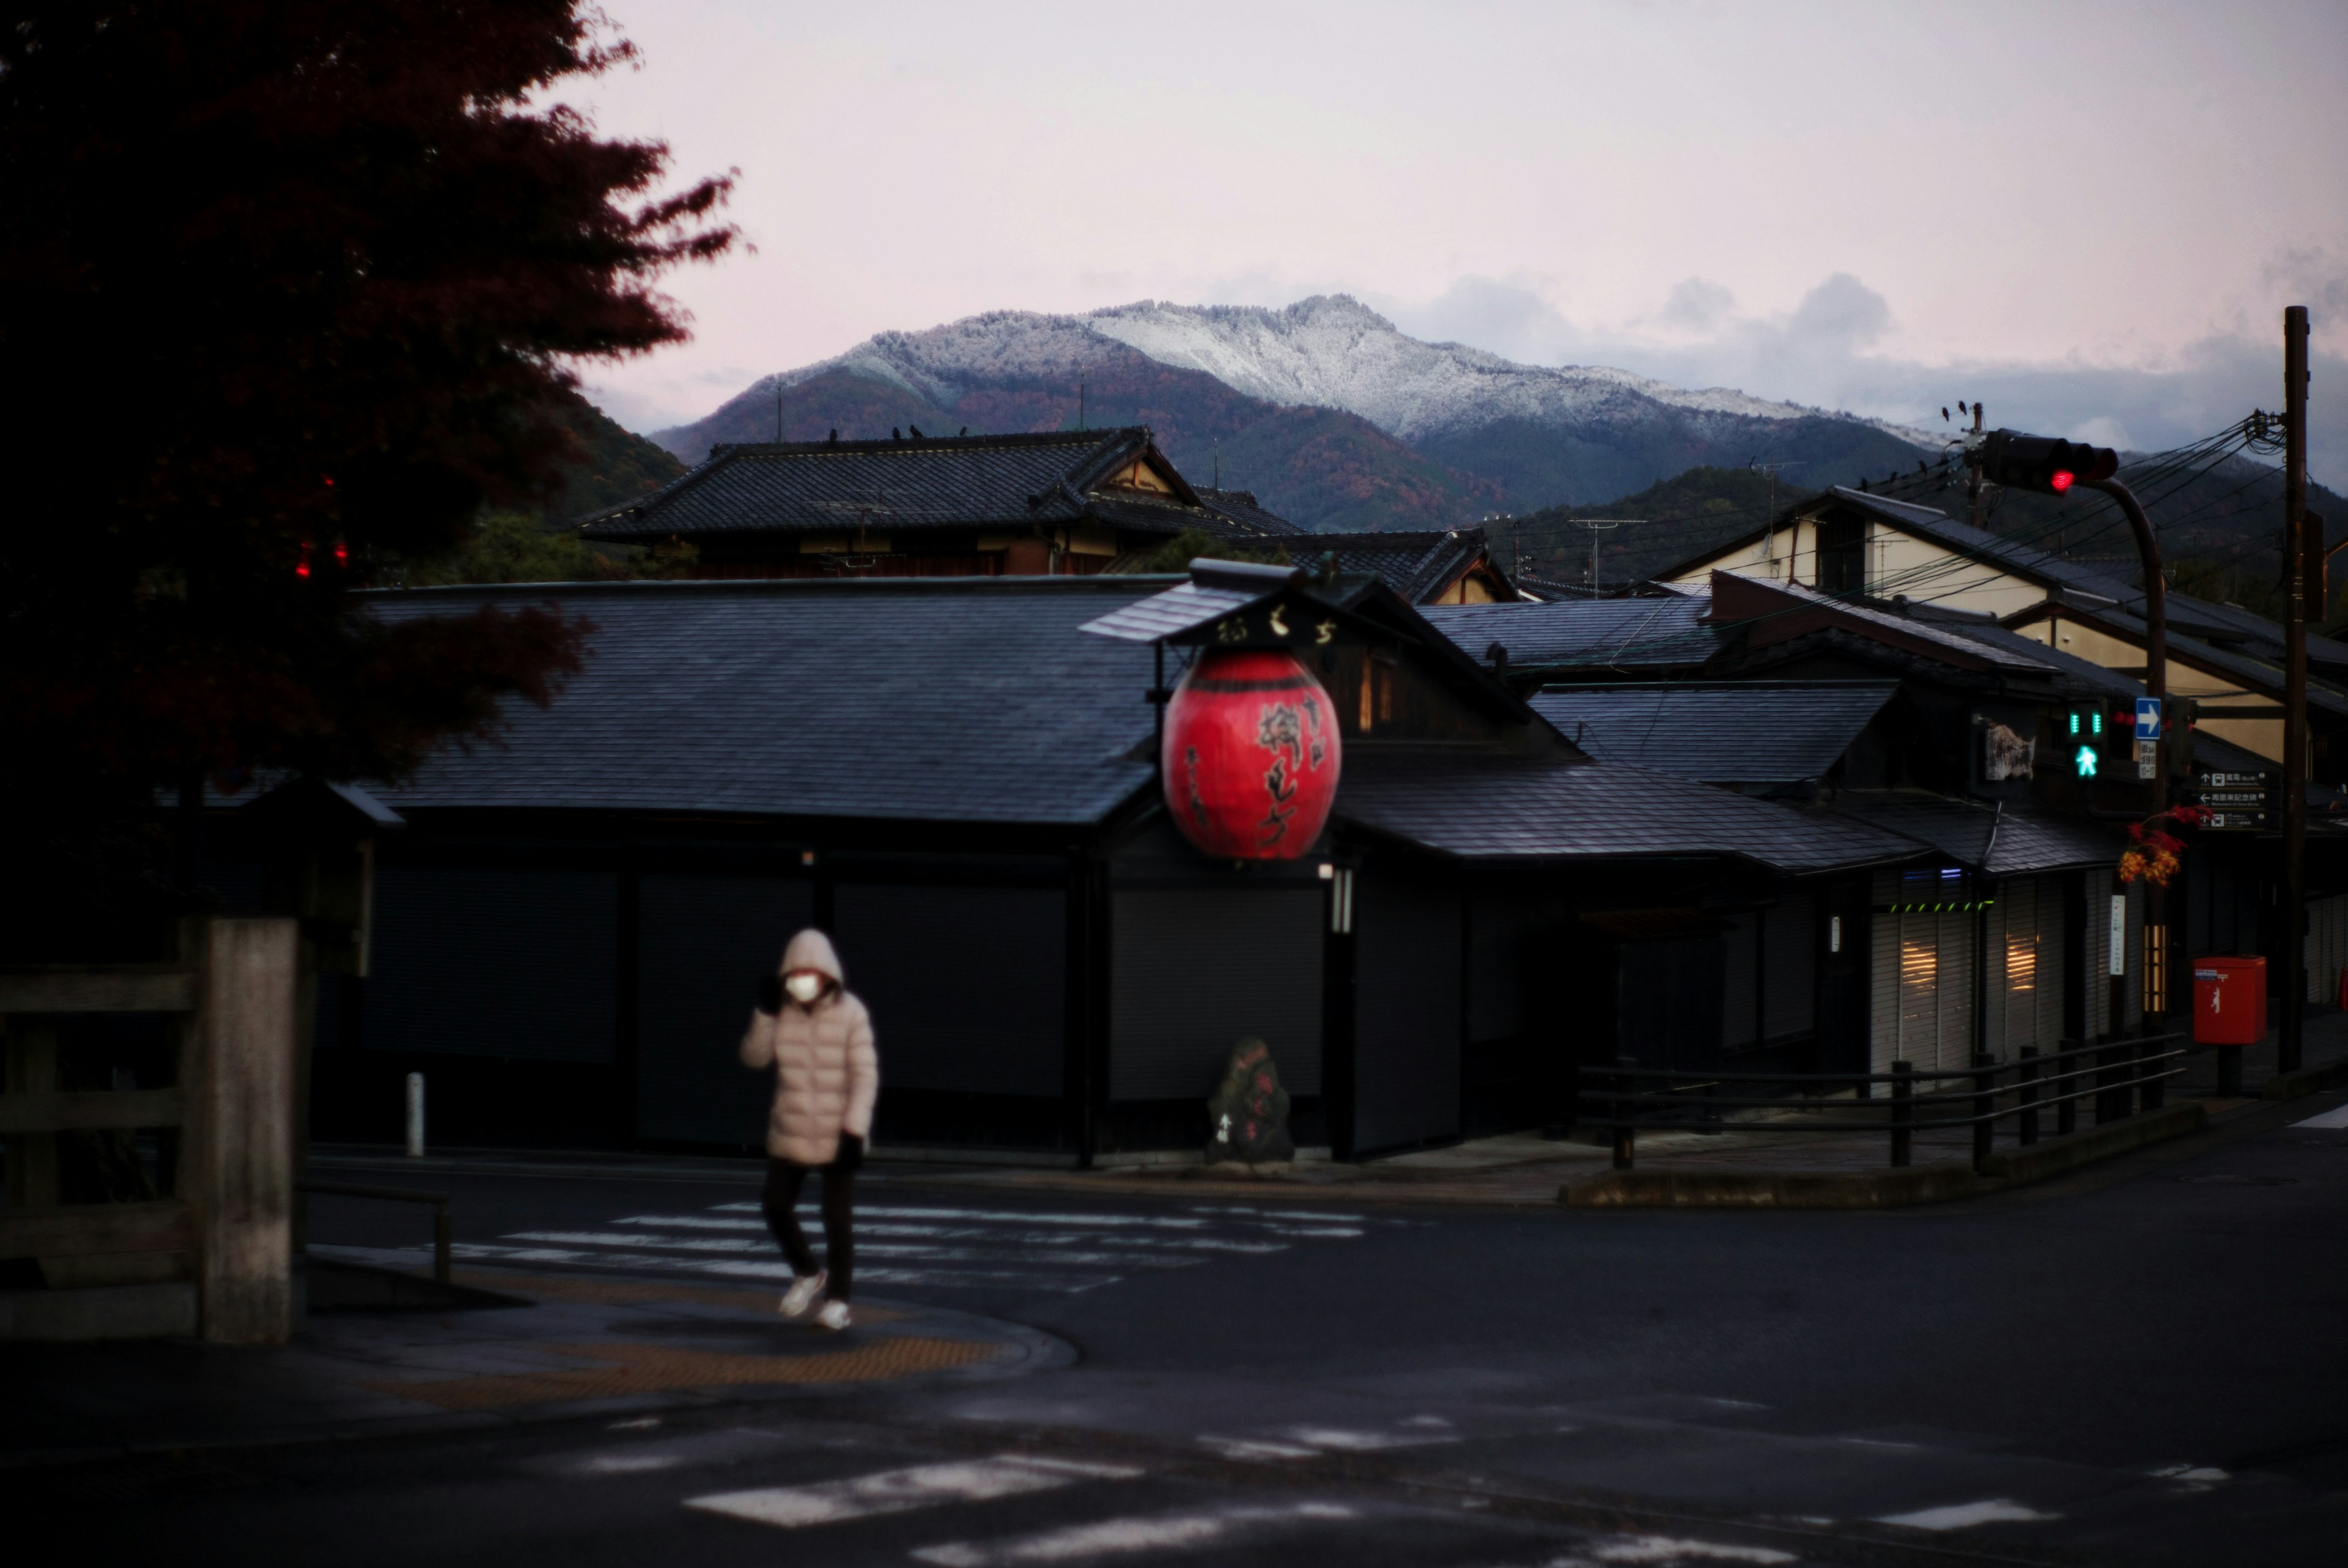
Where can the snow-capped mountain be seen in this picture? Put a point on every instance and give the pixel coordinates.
(1463, 432)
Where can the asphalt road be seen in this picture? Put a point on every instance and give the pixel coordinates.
(2144, 1365)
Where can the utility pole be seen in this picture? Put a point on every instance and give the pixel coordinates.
(1972, 458)
(2295, 768)
(1598, 525)
(1770, 546)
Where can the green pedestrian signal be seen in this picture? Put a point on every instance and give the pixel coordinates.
(2085, 761)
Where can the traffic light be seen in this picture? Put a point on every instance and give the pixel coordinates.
(2044, 463)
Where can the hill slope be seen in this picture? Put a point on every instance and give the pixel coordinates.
(1323, 408)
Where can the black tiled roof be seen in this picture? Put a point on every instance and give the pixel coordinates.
(1243, 507)
(2254, 674)
(1756, 732)
(955, 699)
(1488, 808)
(1931, 523)
(1415, 564)
(890, 487)
(2019, 838)
(1665, 633)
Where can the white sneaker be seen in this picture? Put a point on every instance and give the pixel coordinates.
(835, 1315)
(802, 1293)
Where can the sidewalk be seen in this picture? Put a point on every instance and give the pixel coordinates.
(567, 1346)
(1522, 1170)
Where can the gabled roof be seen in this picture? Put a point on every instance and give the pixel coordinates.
(2012, 838)
(1772, 612)
(1725, 731)
(1415, 565)
(1932, 524)
(1670, 631)
(890, 487)
(2256, 674)
(1493, 808)
(970, 699)
(1243, 507)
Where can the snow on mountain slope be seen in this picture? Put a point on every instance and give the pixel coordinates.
(1334, 350)
(1329, 352)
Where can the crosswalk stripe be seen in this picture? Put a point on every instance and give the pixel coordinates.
(863, 1249)
(966, 1278)
(903, 1491)
(865, 1226)
(1012, 1216)
(1120, 1537)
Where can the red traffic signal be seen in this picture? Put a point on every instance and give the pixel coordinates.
(2044, 463)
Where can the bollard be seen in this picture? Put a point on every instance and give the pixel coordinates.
(1903, 1088)
(416, 1116)
(1984, 1107)
(2025, 1126)
(1625, 1135)
(2230, 1072)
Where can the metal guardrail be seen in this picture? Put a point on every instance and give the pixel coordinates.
(439, 1202)
(2121, 1077)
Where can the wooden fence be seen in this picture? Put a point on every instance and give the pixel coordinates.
(214, 1257)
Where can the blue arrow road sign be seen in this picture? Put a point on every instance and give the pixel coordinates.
(2147, 718)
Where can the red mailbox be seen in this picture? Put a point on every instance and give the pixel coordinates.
(2229, 1001)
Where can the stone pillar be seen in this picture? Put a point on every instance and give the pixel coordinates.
(238, 1172)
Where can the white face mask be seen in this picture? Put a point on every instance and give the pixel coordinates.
(804, 987)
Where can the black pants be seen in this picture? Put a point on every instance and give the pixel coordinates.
(784, 1180)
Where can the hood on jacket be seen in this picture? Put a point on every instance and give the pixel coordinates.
(812, 949)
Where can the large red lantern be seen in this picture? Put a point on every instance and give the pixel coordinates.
(1250, 754)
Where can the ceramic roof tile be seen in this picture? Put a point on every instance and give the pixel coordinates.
(1758, 732)
(1494, 808)
(1665, 633)
(2018, 837)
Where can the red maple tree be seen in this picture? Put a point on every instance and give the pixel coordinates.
(291, 287)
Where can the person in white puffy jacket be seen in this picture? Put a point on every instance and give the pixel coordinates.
(818, 1039)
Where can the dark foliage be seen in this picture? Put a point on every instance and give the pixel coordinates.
(340, 263)
(1322, 468)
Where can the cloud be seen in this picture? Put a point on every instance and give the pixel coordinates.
(1837, 349)
(1841, 312)
(1698, 305)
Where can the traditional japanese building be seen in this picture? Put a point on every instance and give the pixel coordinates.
(959, 780)
(1064, 503)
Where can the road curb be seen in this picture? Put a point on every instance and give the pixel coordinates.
(1885, 1189)
(2306, 1081)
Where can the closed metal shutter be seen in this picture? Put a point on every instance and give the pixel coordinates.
(702, 944)
(968, 986)
(494, 962)
(2026, 956)
(1885, 996)
(1194, 970)
(1930, 958)
(1406, 1013)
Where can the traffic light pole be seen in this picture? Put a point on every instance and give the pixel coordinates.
(2155, 686)
(2294, 689)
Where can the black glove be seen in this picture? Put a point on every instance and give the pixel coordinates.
(771, 994)
(850, 1156)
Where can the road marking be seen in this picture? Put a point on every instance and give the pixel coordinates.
(1310, 1442)
(968, 1278)
(1673, 1549)
(863, 1249)
(1158, 1533)
(867, 1227)
(1965, 1515)
(903, 1491)
(996, 1217)
(2334, 1118)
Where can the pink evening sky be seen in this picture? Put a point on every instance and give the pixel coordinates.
(2088, 212)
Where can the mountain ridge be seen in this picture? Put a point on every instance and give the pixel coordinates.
(1401, 433)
